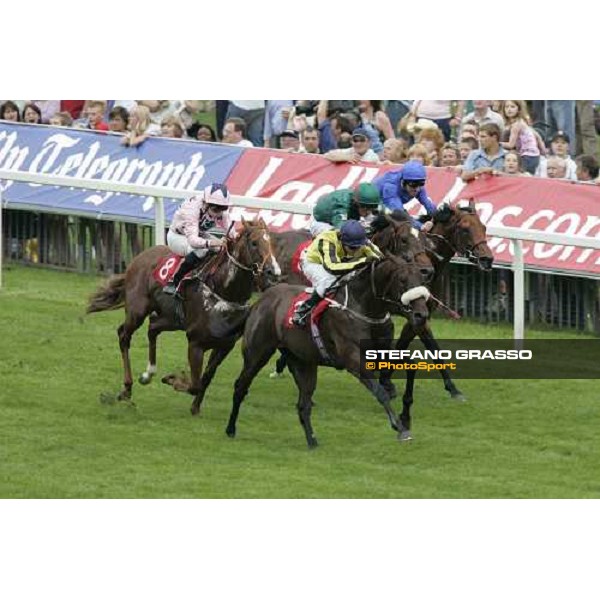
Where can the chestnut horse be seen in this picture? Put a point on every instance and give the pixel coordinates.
(363, 299)
(212, 320)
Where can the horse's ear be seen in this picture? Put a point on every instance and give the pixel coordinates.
(261, 222)
(442, 214)
(243, 221)
(471, 205)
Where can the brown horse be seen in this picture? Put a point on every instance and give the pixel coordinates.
(456, 231)
(394, 234)
(211, 318)
(364, 297)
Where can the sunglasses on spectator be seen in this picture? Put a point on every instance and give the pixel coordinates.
(359, 138)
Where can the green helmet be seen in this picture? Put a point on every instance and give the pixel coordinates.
(367, 195)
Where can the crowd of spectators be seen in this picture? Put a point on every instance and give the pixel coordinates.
(554, 139)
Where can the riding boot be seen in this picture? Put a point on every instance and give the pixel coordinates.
(190, 262)
(303, 310)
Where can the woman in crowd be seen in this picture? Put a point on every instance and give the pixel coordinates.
(118, 119)
(449, 155)
(375, 120)
(441, 112)
(140, 127)
(202, 132)
(61, 119)
(32, 114)
(395, 151)
(420, 153)
(521, 136)
(9, 111)
(171, 127)
(513, 164)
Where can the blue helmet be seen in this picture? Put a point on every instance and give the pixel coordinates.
(353, 234)
(414, 171)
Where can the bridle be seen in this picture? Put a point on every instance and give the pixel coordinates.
(254, 268)
(467, 252)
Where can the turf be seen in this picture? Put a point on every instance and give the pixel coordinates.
(63, 436)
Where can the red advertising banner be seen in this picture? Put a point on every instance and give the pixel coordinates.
(536, 204)
(305, 178)
(530, 203)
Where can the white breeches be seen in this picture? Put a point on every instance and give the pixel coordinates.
(318, 275)
(180, 245)
(317, 227)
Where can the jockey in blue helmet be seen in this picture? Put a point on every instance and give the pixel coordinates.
(397, 188)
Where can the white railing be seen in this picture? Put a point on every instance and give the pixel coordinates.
(517, 236)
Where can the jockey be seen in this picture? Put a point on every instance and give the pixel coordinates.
(397, 188)
(194, 228)
(332, 254)
(332, 210)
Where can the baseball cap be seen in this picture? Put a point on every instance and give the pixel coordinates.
(561, 135)
(360, 131)
(289, 133)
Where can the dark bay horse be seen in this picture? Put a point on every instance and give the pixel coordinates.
(457, 231)
(364, 297)
(212, 319)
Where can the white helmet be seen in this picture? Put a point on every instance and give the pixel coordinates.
(217, 193)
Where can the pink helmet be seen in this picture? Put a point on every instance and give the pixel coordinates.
(217, 193)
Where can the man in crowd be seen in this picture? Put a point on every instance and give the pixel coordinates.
(277, 113)
(289, 140)
(489, 158)
(253, 114)
(234, 132)
(310, 140)
(95, 114)
(359, 152)
(559, 146)
(587, 168)
(483, 114)
(556, 167)
(331, 127)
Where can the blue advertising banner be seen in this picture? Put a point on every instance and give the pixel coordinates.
(80, 153)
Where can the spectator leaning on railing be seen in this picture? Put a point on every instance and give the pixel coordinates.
(490, 156)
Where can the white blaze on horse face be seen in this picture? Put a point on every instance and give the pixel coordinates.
(275, 265)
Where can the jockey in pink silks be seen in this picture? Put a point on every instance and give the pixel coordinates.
(193, 226)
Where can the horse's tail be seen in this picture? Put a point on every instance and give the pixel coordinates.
(109, 296)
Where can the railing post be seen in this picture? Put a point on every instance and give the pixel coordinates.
(159, 222)
(1, 236)
(519, 291)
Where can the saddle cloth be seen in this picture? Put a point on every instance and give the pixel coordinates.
(166, 269)
(315, 315)
(296, 257)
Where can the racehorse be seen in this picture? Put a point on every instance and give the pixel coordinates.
(212, 321)
(456, 231)
(362, 299)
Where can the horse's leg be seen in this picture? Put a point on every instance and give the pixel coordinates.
(305, 376)
(217, 356)
(407, 335)
(351, 359)
(195, 359)
(125, 331)
(280, 365)
(157, 325)
(407, 400)
(430, 343)
(254, 360)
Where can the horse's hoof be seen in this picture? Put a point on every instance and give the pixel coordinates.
(405, 436)
(195, 410)
(145, 378)
(230, 432)
(458, 397)
(312, 444)
(124, 395)
(275, 375)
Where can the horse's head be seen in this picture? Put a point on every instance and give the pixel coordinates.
(252, 249)
(464, 233)
(397, 235)
(400, 282)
